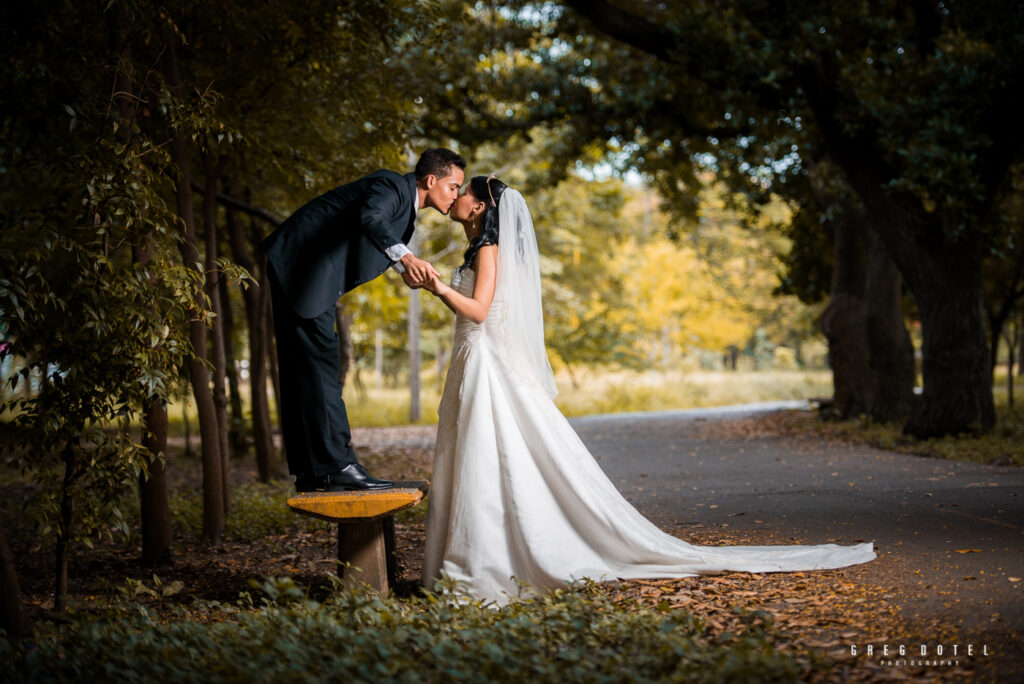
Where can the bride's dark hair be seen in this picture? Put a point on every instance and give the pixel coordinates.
(487, 190)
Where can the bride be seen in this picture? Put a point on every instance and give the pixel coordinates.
(516, 499)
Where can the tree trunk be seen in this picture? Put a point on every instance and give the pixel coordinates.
(1013, 337)
(154, 508)
(890, 351)
(252, 298)
(870, 351)
(1005, 295)
(944, 276)
(268, 325)
(957, 395)
(843, 321)
(995, 332)
(212, 169)
(415, 410)
(236, 413)
(12, 610)
(60, 594)
(414, 324)
(1019, 336)
(378, 357)
(1020, 339)
(213, 491)
(943, 273)
(188, 427)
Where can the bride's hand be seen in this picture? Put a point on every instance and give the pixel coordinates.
(433, 285)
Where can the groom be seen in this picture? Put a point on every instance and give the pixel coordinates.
(332, 244)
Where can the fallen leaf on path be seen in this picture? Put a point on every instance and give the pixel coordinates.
(968, 551)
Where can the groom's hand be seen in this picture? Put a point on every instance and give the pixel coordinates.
(417, 271)
(409, 281)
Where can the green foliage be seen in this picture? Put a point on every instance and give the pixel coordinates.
(84, 192)
(106, 336)
(567, 635)
(257, 510)
(135, 589)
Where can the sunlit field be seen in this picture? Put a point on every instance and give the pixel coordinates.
(600, 392)
(623, 391)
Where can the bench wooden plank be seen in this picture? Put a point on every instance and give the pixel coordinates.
(353, 506)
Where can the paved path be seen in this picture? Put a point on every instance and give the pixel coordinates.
(919, 511)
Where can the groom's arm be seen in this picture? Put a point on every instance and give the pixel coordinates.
(382, 202)
(396, 251)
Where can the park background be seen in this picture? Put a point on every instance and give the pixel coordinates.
(735, 202)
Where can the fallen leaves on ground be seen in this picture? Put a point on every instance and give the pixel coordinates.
(1000, 447)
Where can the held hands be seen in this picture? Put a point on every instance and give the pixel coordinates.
(417, 271)
(408, 279)
(435, 286)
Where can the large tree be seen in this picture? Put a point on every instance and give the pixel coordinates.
(912, 104)
(837, 256)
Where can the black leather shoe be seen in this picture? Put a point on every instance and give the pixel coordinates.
(354, 476)
(351, 477)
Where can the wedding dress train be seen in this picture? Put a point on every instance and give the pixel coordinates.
(516, 497)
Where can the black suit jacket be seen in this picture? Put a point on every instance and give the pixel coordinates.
(336, 242)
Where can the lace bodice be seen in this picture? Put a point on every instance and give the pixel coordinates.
(464, 281)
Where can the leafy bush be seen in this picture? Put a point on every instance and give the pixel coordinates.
(565, 636)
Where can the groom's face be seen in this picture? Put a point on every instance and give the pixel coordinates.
(442, 192)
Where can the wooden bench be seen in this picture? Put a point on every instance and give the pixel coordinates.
(366, 528)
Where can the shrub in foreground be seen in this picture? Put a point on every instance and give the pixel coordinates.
(567, 636)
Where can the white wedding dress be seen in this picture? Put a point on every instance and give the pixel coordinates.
(518, 502)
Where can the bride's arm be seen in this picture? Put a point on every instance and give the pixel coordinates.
(474, 308)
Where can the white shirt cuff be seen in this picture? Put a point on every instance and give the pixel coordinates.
(396, 252)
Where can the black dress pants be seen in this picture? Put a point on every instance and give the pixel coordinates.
(317, 437)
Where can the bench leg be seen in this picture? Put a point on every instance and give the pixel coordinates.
(391, 548)
(364, 546)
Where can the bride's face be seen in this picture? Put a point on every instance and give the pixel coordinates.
(467, 209)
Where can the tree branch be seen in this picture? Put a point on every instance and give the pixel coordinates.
(629, 28)
(259, 212)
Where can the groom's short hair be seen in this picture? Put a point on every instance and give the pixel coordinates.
(438, 162)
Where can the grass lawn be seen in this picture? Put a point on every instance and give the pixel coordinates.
(595, 391)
